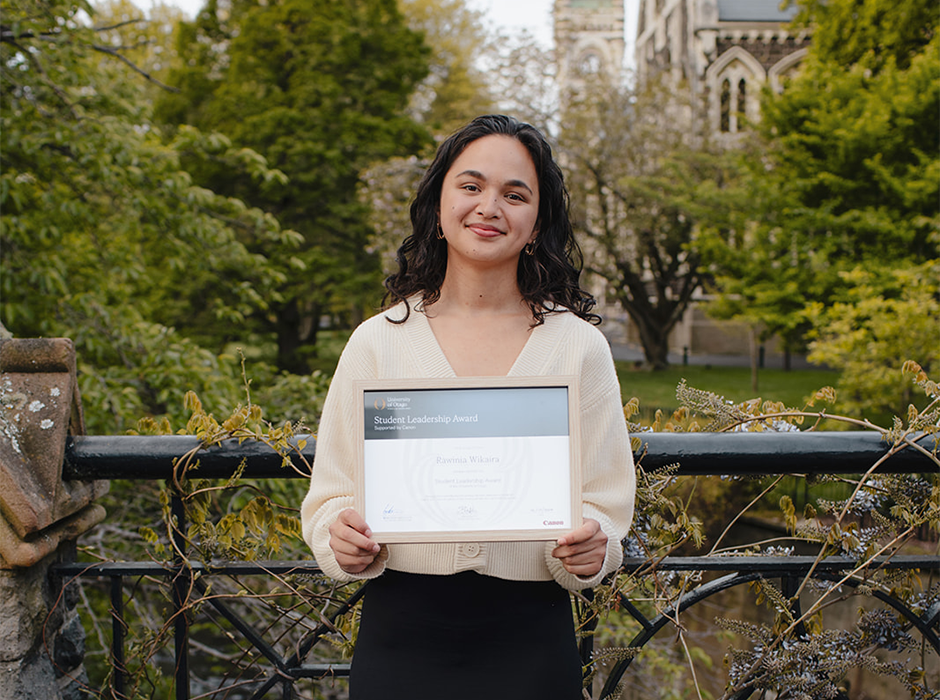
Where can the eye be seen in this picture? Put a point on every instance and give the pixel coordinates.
(515, 197)
(470, 187)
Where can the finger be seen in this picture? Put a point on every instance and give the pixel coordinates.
(363, 533)
(350, 534)
(353, 548)
(352, 518)
(584, 558)
(351, 558)
(597, 541)
(584, 533)
(595, 554)
(584, 564)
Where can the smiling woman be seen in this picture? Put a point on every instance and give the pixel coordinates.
(487, 286)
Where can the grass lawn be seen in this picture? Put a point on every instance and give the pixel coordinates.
(658, 389)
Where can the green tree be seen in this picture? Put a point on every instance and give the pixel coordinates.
(321, 91)
(102, 230)
(456, 89)
(844, 175)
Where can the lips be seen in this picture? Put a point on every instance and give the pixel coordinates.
(485, 230)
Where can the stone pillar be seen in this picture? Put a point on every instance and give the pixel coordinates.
(41, 637)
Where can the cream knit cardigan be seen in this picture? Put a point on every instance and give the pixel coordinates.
(563, 345)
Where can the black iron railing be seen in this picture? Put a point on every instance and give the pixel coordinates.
(146, 458)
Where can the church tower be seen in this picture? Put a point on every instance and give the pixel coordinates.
(588, 40)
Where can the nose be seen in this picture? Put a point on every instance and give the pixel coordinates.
(489, 206)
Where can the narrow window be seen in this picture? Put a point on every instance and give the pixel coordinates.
(725, 123)
(742, 104)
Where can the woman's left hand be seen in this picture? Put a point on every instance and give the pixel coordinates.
(582, 551)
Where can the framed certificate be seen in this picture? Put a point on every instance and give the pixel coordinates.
(469, 459)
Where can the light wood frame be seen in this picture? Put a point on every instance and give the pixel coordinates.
(570, 383)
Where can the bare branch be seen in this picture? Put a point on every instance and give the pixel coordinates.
(134, 66)
(120, 24)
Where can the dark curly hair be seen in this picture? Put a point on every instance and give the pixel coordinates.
(548, 278)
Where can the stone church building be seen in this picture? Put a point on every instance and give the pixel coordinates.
(724, 51)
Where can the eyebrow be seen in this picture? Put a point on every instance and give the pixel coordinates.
(511, 183)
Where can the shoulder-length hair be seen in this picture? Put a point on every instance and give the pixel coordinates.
(547, 278)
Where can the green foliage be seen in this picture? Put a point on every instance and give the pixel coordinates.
(105, 238)
(455, 90)
(880, 317)
(855, 158)
(321, 92)
(145, 39)
(872, 32)
(663, 666)
(251, 526)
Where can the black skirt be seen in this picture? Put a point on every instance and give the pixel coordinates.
(464, 636)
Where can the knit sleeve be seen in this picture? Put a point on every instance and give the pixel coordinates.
(607, 469)
(332, 483)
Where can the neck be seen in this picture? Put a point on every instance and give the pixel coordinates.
(480, 291)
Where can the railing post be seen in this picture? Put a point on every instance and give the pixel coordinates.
(181, 587)
(118, 628)
(42, 643)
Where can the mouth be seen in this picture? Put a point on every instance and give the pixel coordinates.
(485, 230)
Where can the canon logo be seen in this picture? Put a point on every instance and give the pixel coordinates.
(553, 522)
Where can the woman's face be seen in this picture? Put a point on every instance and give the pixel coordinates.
(490, 201)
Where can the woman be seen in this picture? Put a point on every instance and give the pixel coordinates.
(486, 287)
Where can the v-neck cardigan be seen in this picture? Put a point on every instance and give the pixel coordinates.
(563, 345)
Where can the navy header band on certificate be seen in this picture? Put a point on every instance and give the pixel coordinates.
(444, 413)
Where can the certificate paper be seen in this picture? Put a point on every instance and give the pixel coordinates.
(452, 460)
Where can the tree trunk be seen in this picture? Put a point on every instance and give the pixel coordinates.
(288, 325)
(655, 340)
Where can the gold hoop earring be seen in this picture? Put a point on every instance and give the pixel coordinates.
(440, 231)
(530, 248)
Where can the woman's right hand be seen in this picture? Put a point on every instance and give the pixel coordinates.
(352, 543)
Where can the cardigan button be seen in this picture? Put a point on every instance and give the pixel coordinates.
(471, 549)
